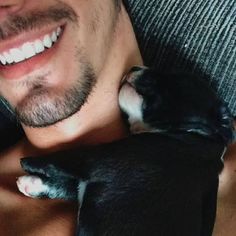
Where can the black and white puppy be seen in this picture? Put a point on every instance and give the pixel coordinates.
(160, 181)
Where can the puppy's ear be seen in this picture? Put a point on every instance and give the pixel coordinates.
(226, 128)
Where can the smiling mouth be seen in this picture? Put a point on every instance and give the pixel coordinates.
(30, 49)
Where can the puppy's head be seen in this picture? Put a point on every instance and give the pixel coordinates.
(173, 103)
(131, 101)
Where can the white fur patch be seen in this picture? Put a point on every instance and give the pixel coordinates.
(223, 154)
(131, 103)
(31, 186)
(81, 190)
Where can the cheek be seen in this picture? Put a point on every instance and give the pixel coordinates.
(8, 89)
(13, 96)
(96, 31)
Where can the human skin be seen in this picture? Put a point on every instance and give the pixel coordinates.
(111, 49)
(98, 120)
(101, 37)
(24, 216)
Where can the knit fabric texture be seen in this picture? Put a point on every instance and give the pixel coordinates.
(190, 35)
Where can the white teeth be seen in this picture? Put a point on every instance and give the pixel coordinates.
(58, 31)
(47, 41)
(3, 60)
(29, 49)
(8, 57)
(38, 46)
(54, 37)
(17, 55)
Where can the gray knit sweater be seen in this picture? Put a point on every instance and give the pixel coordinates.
(194, 35)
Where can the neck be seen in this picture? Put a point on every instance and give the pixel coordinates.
(99, 120)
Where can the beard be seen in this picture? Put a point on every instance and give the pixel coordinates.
(44, 106)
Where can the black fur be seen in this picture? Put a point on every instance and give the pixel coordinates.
(149, 184)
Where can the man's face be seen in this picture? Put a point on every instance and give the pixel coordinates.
(51, 53)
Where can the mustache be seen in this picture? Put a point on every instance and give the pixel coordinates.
(17, 24)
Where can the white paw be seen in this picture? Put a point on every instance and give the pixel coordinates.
(31, 186)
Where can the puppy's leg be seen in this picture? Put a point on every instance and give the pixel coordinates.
(47, 179)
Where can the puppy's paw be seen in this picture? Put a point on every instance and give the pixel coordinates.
(32, 186)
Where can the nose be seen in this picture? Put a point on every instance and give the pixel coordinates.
(9, 7)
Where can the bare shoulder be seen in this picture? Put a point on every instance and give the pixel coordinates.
(23, 216)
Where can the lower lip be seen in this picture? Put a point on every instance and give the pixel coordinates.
(20, 69)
